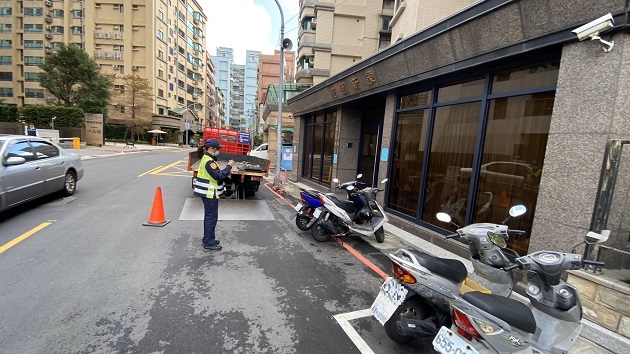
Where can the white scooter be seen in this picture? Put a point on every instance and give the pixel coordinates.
(484, 323)
(415, 301)
(361, 214)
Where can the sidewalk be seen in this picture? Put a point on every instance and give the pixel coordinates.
(593, 339)
(114, 147)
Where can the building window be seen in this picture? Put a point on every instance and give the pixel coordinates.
(160, 93)
(6, 92)
(8, 28)
(319, 143)
(388, 4)
(32, 28)
(33, 61)
(78, 45)
(34, 93)
(33, 44)
(6, 44)
(516, 124)
(33, 12)
(122, 9)
(6, 60)
(57, 29)
(160, 73)
(77, 30)
(160, 15)
(77, 13)
(31, 77)
(57, 13)
(160, 54)
(160, 35)
(308, 23)
(5, 12)
(6, 76)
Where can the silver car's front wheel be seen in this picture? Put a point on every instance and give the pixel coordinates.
(69, 184)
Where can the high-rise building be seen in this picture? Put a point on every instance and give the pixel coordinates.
(269, 71)
(223, 61)
(212, 108)
(162, 41)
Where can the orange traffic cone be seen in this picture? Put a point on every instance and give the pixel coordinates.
(503, 202)
(157, 212)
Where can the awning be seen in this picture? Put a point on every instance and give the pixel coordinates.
(275, 127)
(179, 110)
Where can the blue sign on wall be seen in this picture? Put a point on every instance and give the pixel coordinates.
(384, 154)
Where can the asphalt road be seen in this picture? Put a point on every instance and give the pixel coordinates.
(93, 279)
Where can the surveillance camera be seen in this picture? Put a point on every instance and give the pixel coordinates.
(593, 28)
(594, 237)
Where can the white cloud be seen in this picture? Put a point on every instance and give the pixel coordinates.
(247, 25)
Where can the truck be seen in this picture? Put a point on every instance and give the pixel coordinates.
(235, 142)
(245, 177)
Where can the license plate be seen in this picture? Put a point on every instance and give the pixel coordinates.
(447, 342)
(390, 296)
(317, 212)
(298, 207)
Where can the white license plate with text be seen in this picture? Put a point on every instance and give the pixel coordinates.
(298, 207)
(447, 342)
(391, 295)
(317, 212)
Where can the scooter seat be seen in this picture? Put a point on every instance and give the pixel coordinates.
(448, 268)
(511, 311)
(348, 206)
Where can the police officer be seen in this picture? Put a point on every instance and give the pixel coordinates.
(209, 186)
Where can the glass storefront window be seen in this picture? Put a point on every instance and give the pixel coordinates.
(329, 147)
(417, 99)
(512, 160)
(319, 145)
(450, 161)
(527, 78)
(308, 148)
(411, 133)
(462, 90)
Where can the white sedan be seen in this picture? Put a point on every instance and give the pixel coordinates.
(33, 167)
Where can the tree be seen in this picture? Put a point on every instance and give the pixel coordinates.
(70, 75)
(135, 100)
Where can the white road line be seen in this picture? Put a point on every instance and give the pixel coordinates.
(344, 321)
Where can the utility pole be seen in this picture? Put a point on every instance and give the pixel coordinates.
(286, 43)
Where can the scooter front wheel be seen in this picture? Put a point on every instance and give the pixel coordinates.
(301, 221)
(380, 235)
(409, 309)
(319, 233)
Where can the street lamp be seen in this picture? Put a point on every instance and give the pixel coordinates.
(286, 44)
(52, 122)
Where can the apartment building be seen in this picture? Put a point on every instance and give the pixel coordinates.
(244, 89)
(212, 110)
(269, 71)
(161, 40)
(335, 35)
(223, 61)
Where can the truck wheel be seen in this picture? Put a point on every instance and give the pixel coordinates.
(409, 309)
(301, 221)
(380, 235)
(319, 233)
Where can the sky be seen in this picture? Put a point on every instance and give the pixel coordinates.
(249, 25)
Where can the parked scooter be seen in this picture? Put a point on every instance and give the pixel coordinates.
(311, 200)
(484, 323)
(415, 302)
(360, 214)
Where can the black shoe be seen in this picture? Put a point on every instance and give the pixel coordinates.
(213, 248)
(216, 242)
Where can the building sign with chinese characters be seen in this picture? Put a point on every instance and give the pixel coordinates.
(354, 85)
(93, 128)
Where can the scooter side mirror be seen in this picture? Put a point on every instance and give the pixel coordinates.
(444, 217)
(350, 188)
(359, 176)
(336, 180)
(593, 237)
(384, 180)
(517, 210)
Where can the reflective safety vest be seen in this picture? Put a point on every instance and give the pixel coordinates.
(204, 185)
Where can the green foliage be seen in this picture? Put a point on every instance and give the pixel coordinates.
(8, 113)
(41, 116)
(70, 75)
(258, 139)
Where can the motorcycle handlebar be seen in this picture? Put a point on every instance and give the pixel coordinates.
(452, 235)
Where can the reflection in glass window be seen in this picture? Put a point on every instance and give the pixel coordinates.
(450, 161)
(462, 90)
(527, 78)
(319, 147)
(6, 92)
(417, 99)
(512, 160)
(411, 134)
(44, 150)
(329, 147)
(34, 93)
(21, 149)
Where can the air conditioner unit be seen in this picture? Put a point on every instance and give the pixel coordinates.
(48, 28)
(195, 96)
(47, 44)
(49, 13)
(114, 66)
(196, 37)
(98, 35)
(50, 100)
(49, 20)
(135, 68)
(49, 36)
(195, 21)
(136, 28)
(195, 67)
(98, 66)
(49, 3)
(48, 51)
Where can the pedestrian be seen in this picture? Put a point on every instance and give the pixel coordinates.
(209, 186)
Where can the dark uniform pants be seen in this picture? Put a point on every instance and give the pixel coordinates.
(211, 214)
